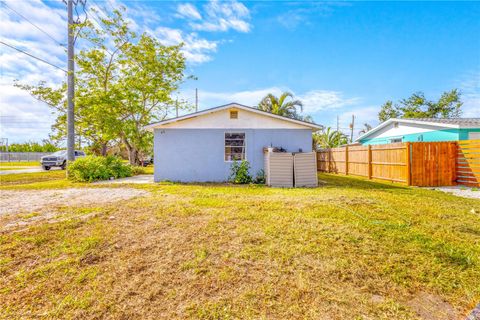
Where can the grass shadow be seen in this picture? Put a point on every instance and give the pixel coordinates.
(334, 181)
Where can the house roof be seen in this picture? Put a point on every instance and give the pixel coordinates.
(455, 123)
(159, 124)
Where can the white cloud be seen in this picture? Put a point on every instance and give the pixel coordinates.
(189, 11)
(314, 101)
(223, 16)
(319, 100)
(195, 49)
(208, 99)
(21, 116)
(470, 88)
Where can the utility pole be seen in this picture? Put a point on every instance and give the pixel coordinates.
(352, 125)
(196, 99)
(337, 124)
(71, 88)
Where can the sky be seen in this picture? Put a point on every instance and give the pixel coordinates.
(339, 58)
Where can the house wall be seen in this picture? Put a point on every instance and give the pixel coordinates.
(465, 134)
(417, 133)
(197, 155)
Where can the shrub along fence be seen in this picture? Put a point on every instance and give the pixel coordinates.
(417, 163)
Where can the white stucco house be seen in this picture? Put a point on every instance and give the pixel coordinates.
(201, 146)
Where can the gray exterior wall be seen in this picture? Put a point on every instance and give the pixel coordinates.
(197, 155)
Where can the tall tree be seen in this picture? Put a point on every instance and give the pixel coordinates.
(285, 105)
(417, 106)
(124, 81)
(328, 139)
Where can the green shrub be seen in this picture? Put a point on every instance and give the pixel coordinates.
(92, 168)
(239, 172)
(137, 170)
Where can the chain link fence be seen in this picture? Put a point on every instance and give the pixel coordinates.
(22, 156)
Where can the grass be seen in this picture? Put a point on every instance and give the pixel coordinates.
(351, 249)
(34, 180)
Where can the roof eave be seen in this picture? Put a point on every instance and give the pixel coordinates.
(151, 127)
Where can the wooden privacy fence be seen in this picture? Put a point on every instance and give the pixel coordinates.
(386, 162)
(417, 163)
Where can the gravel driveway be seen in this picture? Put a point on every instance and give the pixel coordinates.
(461, 191)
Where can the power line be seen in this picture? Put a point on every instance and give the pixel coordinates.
(31, 55)
(33, 24)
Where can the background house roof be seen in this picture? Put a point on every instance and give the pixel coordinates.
(459, 121)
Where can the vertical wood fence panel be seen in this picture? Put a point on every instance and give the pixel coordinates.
(468, 162)
(419, 163)
(433, 164)
(386, 162)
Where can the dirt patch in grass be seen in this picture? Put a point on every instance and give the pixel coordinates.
(24, 207)
(432, 307)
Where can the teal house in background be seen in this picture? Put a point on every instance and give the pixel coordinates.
(423, 129)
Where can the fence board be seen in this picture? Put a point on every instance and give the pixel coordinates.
(468, 162)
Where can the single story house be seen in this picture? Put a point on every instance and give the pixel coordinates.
(201, 146)
(422, 129)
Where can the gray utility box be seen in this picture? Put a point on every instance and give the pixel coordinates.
(285, 169)
(305, 169)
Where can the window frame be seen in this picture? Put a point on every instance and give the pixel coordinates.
(225, 145)
(396, 138)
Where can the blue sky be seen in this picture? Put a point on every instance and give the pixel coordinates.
(339, 58)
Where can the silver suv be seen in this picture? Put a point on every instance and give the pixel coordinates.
(58, 159)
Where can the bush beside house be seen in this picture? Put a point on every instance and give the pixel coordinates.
(93, 168)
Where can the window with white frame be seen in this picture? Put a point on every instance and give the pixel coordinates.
(234, 146)
(395, 140)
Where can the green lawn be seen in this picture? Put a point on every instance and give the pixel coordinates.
(350, 249)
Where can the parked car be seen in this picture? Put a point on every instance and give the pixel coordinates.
(58, 159)
(147, 161)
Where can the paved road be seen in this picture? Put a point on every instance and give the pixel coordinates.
(142, 178)
(26, 170)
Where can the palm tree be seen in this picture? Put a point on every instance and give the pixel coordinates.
(281, 106)
(328, 139)
(366, 128)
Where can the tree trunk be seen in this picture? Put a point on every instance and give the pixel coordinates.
(132, 153)
(104, 149)
(133, 157)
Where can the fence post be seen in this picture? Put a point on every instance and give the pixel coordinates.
(409, 173)
(369, 161)
(346, 160)
(329, 157)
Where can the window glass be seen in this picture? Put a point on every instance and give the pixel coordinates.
(234, 146)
